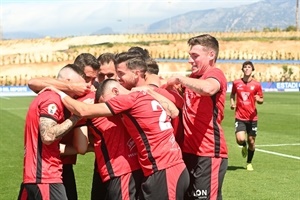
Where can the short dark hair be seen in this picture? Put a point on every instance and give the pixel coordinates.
(86, 59)
(102, 87)
(206, 41)
(248, 62)
(144, 52)
(152, 66)
(106, 58)
(125, 56)
(137, 63)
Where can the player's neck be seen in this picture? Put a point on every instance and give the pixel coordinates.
(141, 82)
(247, 79)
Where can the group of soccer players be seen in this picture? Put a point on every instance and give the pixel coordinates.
(152, 138)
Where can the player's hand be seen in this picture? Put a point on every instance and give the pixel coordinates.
(80, 89)
(232, 106)
(174, 80)
(257, 97)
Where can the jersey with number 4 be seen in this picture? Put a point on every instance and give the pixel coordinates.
(150, 128)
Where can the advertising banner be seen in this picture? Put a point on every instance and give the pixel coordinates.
(16, 91)
(6, 91)
(275, 86)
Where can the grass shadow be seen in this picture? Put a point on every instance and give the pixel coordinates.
(233, 168)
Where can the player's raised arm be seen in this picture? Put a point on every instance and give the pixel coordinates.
(39, 83)
(167, 104)
(82, 109)
(204, 87)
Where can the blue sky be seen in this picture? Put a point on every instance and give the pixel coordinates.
(78, 17)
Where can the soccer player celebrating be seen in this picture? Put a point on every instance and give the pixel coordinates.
(204, 147)
(246, 91)
(46, 124)
(146, 115)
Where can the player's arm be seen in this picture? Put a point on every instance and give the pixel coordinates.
(259, 99)
(91, 142)
(83, 109)
(37, 84)
(79, 144)
(207, 87)
(167, 104)
(232, 100)
(80, 139)
(51, 131)
(259, 96)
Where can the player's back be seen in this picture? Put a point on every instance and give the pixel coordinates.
(150, 127)
(41, 161)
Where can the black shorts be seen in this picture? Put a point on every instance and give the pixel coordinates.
(98, 191)
(69, 182)
(250, 127)
(170, 183)
(126, 186)
(206, 176)
(51, 191)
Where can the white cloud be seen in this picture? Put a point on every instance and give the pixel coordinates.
(81, 17)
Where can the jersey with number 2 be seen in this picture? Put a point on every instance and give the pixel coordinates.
(150, 127)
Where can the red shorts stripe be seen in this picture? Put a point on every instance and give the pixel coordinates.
(42, 191)
(214, 181)
(124, 185)
(45, 191)
(23, 195)
(172, 175)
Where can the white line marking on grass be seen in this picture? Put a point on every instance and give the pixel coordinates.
(278, 154)
(6, 98)
(13, 108)
(277, 145)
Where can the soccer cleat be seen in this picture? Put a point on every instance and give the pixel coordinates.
(249, 167)
(244, 151)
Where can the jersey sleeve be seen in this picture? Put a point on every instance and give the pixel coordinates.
(88, 98)
(51, 106)
(218, 74)
(122, 103)
(172, 95)
(233, 89)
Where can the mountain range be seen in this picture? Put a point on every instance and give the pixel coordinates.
(255, 16)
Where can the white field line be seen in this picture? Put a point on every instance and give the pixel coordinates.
(275, 153)
(6, 98)
(24, 108)
(276, 145)
(278, 154)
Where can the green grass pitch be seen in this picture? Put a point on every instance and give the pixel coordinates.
(276, 161)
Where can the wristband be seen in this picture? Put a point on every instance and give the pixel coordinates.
(62, 94)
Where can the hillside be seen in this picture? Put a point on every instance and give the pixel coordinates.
(22, 59)
(256, 16)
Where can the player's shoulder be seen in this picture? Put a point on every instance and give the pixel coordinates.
(255, 81)
(48, 96)
(236, 81)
